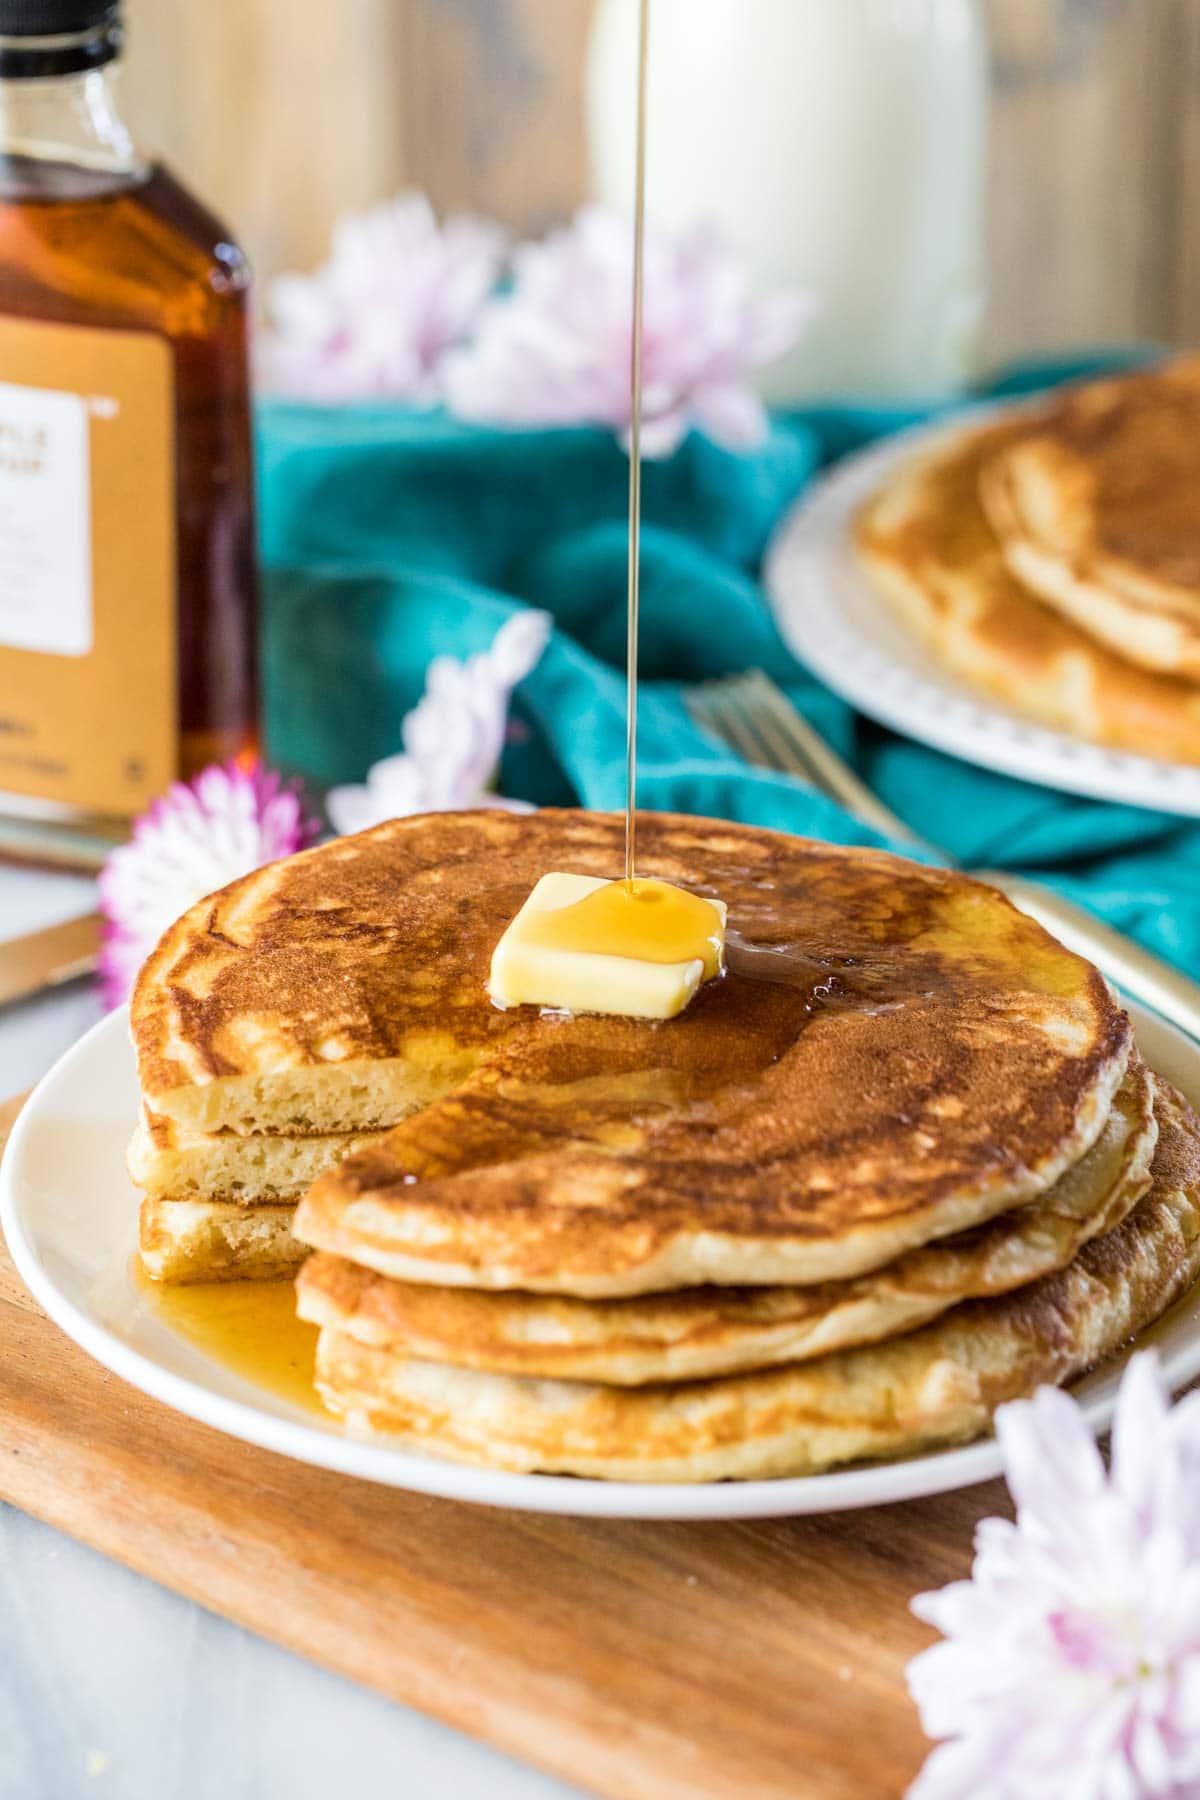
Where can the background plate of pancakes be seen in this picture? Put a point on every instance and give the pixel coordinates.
(70, 1217)
(1020, 587)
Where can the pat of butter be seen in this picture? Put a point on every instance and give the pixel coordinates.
(529, 972)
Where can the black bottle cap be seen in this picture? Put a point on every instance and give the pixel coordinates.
(54, 18)
(57, 37)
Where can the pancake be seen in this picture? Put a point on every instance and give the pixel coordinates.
(217, 1240)
(925, 540)
(937, 1386)
(169, 1159)
(339, 990)
(896, 1054)
(1097, 507)
(711, 1331)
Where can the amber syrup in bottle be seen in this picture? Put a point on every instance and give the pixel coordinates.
(127, 579)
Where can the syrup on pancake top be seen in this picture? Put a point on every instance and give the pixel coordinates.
(579, 944)
(667, 924)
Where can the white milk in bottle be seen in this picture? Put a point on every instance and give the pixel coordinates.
(840, 145)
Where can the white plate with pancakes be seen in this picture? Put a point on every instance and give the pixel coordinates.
(69, 1213)
(873, 642)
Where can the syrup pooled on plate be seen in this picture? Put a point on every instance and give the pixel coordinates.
(249, 1327)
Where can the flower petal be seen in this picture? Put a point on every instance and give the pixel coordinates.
(454, 735)
(379, 317)
(197, 837)
(556, 348)
(1050, 1457)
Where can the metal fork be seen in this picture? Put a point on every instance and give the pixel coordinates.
(751, 715)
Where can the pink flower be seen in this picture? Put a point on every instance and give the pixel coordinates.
(1070, 1666)
(376, 321)
(200, 835)
(555, 351)
(453, 736)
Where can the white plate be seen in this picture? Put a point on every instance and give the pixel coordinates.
(69, 1214)
(838, 625)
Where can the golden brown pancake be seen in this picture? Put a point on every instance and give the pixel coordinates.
(713, 1331)
(936, 1386)
(896, 1054)
(1096, 504)
(166, 1158)
(925, 540)
(193, 1239)
(219, 1207)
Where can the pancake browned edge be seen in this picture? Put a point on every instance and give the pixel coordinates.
(1097, 508)
(925, 541)
(702, 1332)
(937, 1386)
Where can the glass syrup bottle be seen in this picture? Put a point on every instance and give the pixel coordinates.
(127, 582)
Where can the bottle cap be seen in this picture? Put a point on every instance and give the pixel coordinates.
(57, 37)
(54, 18)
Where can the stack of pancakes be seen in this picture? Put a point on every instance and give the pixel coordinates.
(902, 1163)
(218, 1204)
(1052, 558)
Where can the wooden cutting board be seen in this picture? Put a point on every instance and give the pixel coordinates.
(641, 1661)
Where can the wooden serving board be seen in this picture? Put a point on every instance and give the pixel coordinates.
(640, 1661)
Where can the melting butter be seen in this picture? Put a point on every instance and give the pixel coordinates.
(640, 948)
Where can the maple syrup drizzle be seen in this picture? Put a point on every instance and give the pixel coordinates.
(652, 920)
(635, 452)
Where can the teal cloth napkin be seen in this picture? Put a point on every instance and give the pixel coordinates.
(390, 536)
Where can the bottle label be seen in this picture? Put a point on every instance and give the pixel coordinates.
(45, 522)
(88, 678)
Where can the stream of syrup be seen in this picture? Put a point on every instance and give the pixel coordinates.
(635, 449)
(653, 921)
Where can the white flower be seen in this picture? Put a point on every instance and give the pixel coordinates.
(377, 319)
(452, 738)
(200, 835)
(555, 351)
(1070, 1668)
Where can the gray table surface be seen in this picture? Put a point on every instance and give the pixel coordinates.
(112, 1688)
